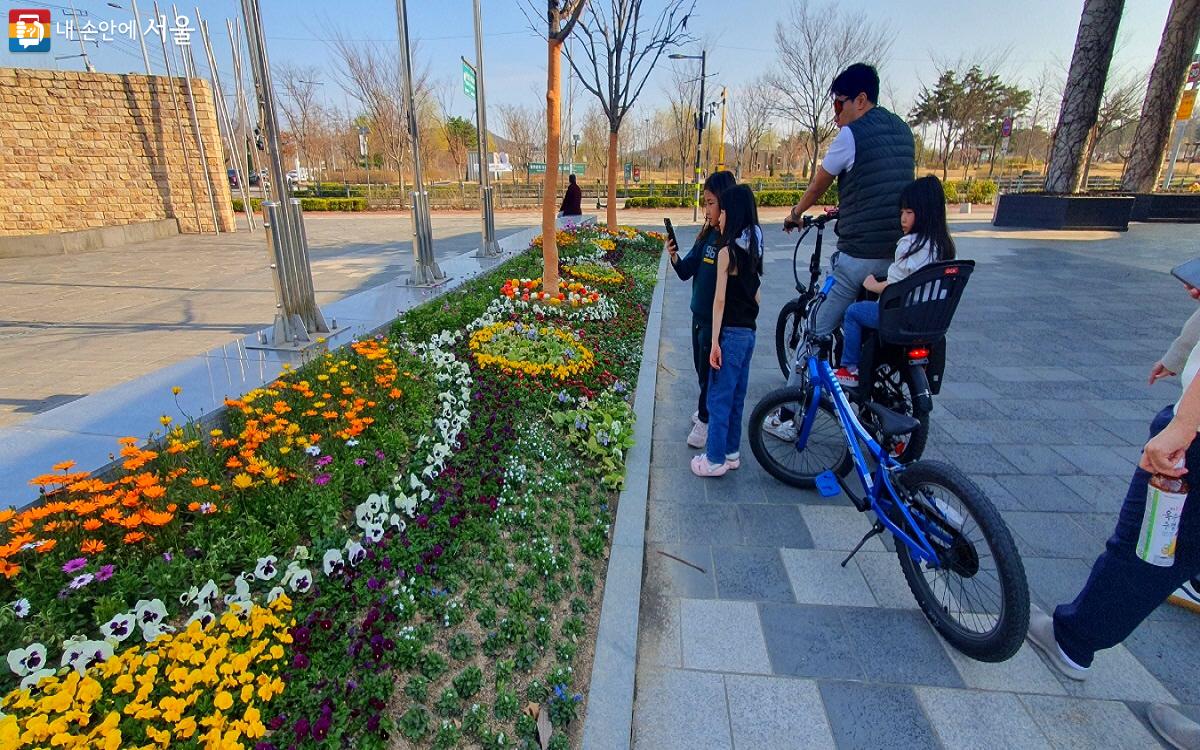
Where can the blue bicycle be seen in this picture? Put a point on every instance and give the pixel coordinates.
(956, 552)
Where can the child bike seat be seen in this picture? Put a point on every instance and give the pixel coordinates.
(918, 310)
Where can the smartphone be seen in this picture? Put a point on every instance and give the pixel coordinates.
(1188, 273)
(671, 233)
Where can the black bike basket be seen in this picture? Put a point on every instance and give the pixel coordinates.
(918, 310)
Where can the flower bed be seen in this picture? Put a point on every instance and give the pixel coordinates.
(398, 543)
(597, 272)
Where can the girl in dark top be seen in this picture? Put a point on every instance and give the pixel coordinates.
(572, 204)
(735, 309)
(700, 265)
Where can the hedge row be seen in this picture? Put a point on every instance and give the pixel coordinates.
(312, 204)
(970, 191)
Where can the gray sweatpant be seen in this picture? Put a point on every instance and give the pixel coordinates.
(849, 273)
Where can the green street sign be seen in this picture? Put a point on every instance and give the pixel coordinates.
(468, 80)
(537, 167)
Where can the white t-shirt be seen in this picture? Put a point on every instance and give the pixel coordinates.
(840, 156)
(1189, 373)
(902, 267)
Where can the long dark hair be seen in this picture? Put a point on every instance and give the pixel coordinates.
(741, 213)
(717, 183)
(927, 200)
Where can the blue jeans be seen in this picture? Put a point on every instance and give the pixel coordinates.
(1123, 589)
(727, 393)
(860, 315)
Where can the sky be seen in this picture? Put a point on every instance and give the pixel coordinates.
(1027, 35)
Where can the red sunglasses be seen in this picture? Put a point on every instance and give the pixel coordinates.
(839, 104)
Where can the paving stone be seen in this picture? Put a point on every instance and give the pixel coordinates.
(773, 526)
(768, 713)
(973, 720)
(818, 578)
(722, 636)
(709, 523)
(1042, 493)
(838, 527)
(1034, 374)
(951, 389)
(670, 484)
(1055, 581)
(977, 459)
(1103, 493)
(1033, 458)
(662, 522)
(1050, 535)
(680, 710)
(658, 631)
(866, 717)
(898, 646)
(751, 573)
(808, 641)
(1163, 648)
(1098, 459)
(1071, 722)
(886, 580)
(1117, 675)
(668, 576)
(997, 493)
(1023, 673)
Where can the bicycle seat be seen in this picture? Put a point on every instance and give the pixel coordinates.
(892, 423)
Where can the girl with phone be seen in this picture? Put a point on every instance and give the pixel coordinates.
(699, 265)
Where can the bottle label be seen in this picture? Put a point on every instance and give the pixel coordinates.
(1160, 527)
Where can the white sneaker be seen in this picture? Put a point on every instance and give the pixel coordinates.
(1187, 596)
(695, 417)
(698, 437)
(1041, 635)
(783, 430)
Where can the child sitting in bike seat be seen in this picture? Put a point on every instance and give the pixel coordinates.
(926, 240)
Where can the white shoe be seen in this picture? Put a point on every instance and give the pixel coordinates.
(698, 437)
(1187, 596)
(695, 417)
(1041, 635)
(784, 430)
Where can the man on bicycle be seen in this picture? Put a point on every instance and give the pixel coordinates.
(873, 159)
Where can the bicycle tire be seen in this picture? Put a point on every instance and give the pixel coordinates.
(1004, 639)
(914, 446)
(787, 329)
(826, 454)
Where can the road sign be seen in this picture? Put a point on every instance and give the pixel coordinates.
(468, 80)
(362, 142)
(628, 170)
(1004, 145)
(1194, 73)
(1006, 127)
(539, 167)
(637, 174)
(1186, 103)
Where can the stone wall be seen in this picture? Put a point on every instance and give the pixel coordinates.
(87, 150)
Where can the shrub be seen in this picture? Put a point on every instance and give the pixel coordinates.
(950, 188)
(982, 191)
(312, 204)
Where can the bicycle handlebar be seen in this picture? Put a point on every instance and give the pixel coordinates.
(807, 221)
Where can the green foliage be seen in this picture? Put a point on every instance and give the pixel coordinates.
(460, 647)
(507, 705)
(312, 204)
(659, 201)
(469, 682)
(449, 703)
(417, 688)
(970, 191)
(414, 723)
(601, 430)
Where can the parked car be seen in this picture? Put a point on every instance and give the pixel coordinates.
(255, 179)
(233, 178)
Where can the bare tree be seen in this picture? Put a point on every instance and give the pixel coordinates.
(1090, 61)
(613, 56)
(1042, 93)
(299, 104)
(520, 124)
(813, 46)
(680, 117)
(1180, 36)
(1118, 108)
(750, 109)
(593, 141)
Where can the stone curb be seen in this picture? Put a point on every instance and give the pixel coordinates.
(609, 721)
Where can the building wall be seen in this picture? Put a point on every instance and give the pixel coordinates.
(88, 150)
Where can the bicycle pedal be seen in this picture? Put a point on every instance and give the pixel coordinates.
(828, 485)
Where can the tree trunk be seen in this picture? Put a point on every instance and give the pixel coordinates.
(550, 194)
(612, 180)
(1084, 90)
(1088, 153)
(1179, 39)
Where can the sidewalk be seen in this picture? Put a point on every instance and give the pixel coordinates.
(761, 640)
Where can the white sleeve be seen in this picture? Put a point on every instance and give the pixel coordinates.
(901, 267)
(840, 156)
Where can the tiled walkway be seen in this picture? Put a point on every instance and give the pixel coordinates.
(753, 636)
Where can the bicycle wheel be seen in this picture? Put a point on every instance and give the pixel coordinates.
(826, 447)
(977, 597)
(787, 332)
(894, 389)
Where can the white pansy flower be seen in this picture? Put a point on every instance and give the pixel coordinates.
(333, 562)
(373, 533)
(32, 679)
(355, 552)
(119, 627)
(22, 661)
(313, 450)
(203, 616)
(274, 594)
(20, 608)
(301, 581)
(267, 568)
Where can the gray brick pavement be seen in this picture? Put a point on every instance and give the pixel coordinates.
(761, 639)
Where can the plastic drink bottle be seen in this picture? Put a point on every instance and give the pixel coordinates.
(1160, 523)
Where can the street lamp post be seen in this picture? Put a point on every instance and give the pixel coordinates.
(703, 58)
(426, 271)
(489, 247)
